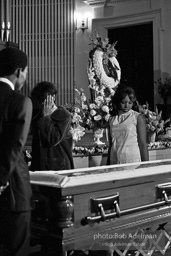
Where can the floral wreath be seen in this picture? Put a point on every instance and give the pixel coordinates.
(104, 71)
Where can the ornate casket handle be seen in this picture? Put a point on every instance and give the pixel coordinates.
(99, 206)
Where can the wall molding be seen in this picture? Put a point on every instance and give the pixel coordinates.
(103, 3)
(155, 17)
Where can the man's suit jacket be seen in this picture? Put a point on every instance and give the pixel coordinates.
(15, 118)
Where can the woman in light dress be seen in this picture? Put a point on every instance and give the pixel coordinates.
(127, 130)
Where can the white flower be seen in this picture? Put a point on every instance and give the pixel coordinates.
(92, 106)
(92, 112)
(77, 133)
(107, 100)
(77, 110)
(102, 93)
(105, 109)
(107, 81)
(107, 117)
(99, 98)
(92, 82)
(112, 92)
(74, 118)
(83, 97)
(97, 118)
(96, 88)
(91, 73)
(84, 107)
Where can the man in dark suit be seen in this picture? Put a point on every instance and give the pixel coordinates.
(15, 188)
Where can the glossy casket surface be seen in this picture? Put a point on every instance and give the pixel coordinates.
(92, 204)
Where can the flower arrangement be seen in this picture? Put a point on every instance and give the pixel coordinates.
(89, 151)
(96, 113)
(153, 120)
(104, 76)
(77, 133)
(98, 150)
(159, 145)
(164, 87)
(167, 127)
(104, 72)
(77, 130)
(76, 113)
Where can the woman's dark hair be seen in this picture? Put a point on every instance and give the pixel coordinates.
(41, 90)
(121, 92)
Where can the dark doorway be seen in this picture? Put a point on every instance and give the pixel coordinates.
(135, 56)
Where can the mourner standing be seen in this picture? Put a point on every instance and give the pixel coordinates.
(127, 130)
(51, 136)
(15, 188)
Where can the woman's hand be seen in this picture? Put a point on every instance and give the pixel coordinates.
(48, 105)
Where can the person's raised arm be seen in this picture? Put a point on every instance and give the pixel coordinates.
(53, 128)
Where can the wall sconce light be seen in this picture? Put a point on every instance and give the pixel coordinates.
(8, 31)
(84, 25)
(5, 31)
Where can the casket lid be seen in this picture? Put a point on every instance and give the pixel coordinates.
(103, 177)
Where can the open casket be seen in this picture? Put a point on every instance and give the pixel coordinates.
(116, 208)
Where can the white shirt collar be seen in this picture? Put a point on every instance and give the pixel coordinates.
(7, 81)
